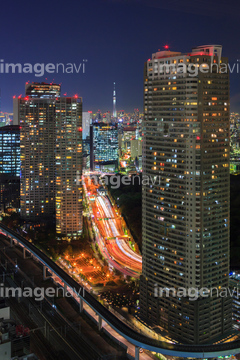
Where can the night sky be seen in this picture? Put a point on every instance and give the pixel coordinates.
(116, 37)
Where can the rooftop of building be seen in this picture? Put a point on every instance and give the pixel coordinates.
(42, 83)
(202, 50)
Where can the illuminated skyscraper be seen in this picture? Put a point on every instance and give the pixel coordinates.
(10, 166)
(10, 150)
(36, 112)
(114, 101)
(105, 145)
(51, 145)
(69, 166)
(86, 121)
(185, 205)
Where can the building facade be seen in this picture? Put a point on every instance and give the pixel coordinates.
(105, 144)
(10, 150)
(185, 208)
(69, 166)
(86, 121)
(51, 157)
(10, 167)
(37, 137)
(135, 148)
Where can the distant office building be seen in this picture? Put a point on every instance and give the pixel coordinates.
(126, 134)
(136, 114)
(135, 148)
(6, 119)
(129, 133)
(120, 142)
(10, 166)
(105, 145)
(108, 117)
(50, 136)
(9, 119)
(86, 162)
(69, 166)
(86, 144)
(86, 121)
(86, 152)
(99, 116)
(235, 167)
(2, 119)
(185, 213)
(16, 120)
(10, 150)
(91, 148)
(9, 192)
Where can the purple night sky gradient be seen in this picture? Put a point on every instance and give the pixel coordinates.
(116, 37)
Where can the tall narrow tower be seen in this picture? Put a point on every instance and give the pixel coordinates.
(51, 157)
(68, 166)
(114, 101)
(36, 112)
(185, 214)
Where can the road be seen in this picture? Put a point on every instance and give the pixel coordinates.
(112, 241)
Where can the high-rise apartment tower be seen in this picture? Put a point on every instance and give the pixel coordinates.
(69, 166)
(185, 206)
(51, 157)
(37, 117)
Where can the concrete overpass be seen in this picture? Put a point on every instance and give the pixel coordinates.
(137, 339)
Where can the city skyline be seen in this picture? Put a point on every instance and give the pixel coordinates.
(193, 115)
(120, 179)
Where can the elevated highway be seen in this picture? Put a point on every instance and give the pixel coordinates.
(139, 340)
